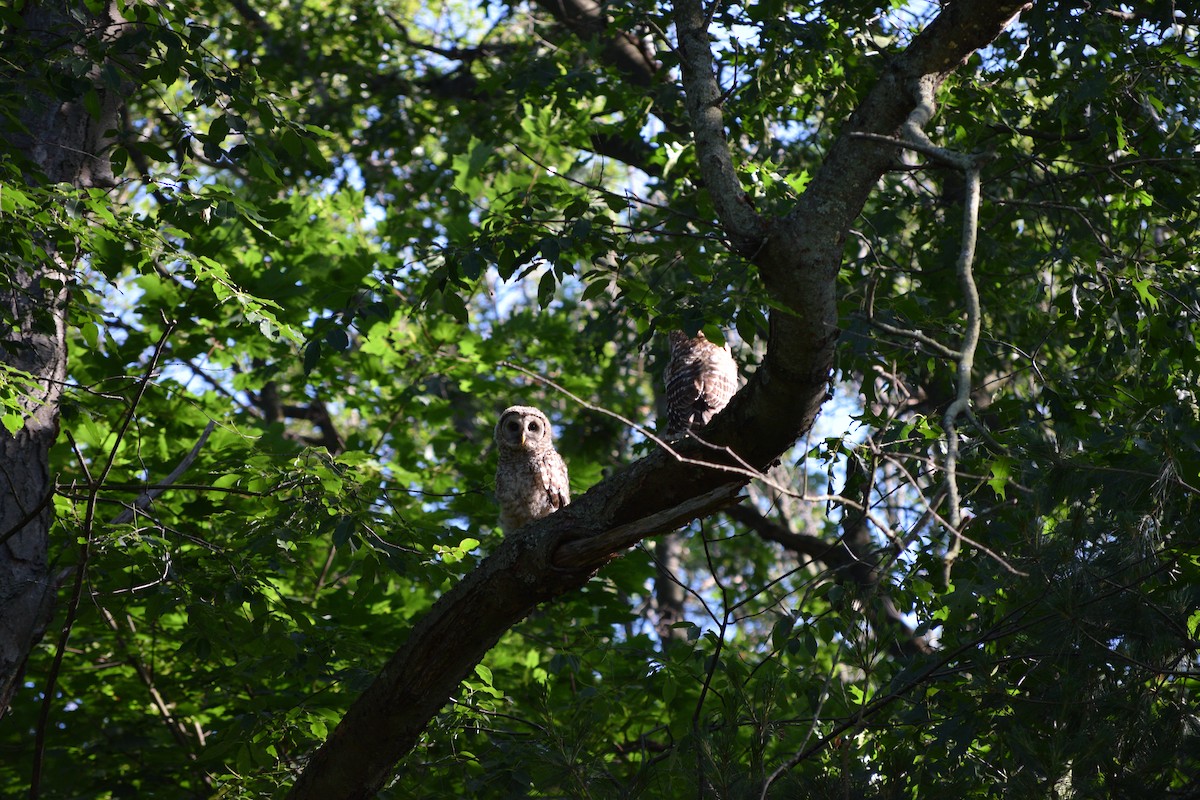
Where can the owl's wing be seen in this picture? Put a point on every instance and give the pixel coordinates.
(719, 380)
(684, 381)
(558, 486)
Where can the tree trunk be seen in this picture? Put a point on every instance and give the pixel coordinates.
(59, 142)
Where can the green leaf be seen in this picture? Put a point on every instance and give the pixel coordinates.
(338, 339)
(1000, 470)
(91, 102)
(546, 288)
(670, 688)
(374, 176)
(1145, 293)
(218, 129)
(312, 354)
(781, 630)
(13, 421)
(455, 306)
(91, 334)
(12, 198)
(471, 265)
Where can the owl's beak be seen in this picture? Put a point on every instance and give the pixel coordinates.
(522, 438)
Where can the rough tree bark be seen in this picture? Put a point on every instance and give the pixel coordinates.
(62, 142)
(798, 255)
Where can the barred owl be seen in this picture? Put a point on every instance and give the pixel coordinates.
(531, 478)
(700, 378)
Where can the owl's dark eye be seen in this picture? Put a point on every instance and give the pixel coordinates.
(513, 425)
(533, 426)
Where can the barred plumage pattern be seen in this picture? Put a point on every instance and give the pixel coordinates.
(700, 379)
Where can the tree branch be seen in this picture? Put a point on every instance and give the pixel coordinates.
(587, 20)
(147, 497)
(585, 553)
(703, 99)
(833, 554)
(670, 593)
(178, 729)
(962, 400)
(970, 165)
(842, 558)
(633, 57)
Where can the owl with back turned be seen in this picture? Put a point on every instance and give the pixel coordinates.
(700, 379)
(531, 478)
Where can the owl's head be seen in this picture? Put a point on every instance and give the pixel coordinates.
(678, 339)
(523, 428)
(680, 342)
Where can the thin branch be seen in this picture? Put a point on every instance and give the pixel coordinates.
(933, 344)
(157, 488)
(627, 196)
(870, 709)
(1045, 136)
(669, 595)
(839, 556)
(152, 491)
(317, 413)
(1009, 625)
(147, 497)
(745, 469)
(696, 595)
(805, 544)
(962, 400)
(29, 517)
(178, 729)
(253, 18)
(812, 728)
(217, 386)
(948, 158)
(587, 20)
(329, 556)
(466, 54)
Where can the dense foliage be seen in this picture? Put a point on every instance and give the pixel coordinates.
(344, 236)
